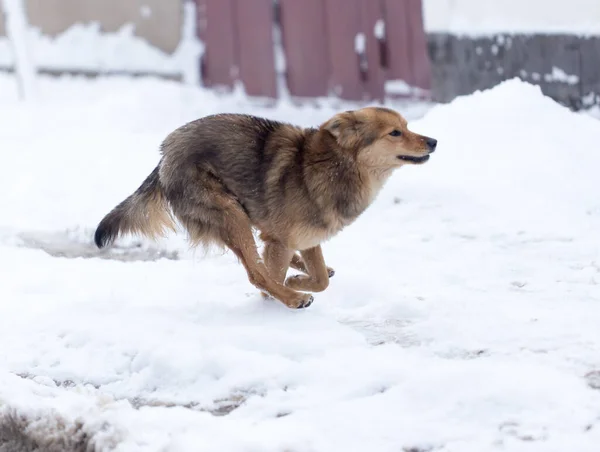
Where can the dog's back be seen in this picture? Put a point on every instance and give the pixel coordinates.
(265, 166)
(230, 150)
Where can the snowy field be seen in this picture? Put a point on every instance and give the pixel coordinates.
(464, 315)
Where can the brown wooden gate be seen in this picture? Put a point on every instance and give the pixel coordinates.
(348, 48)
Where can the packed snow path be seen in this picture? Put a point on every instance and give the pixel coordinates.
(464, 315)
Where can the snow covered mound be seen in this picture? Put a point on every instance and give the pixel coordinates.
(463, 317)
(520, 153)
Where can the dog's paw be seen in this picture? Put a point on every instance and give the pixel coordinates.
(301, 301)
(294, 281)
(306, 302)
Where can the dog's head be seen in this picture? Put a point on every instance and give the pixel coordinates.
(379, 138)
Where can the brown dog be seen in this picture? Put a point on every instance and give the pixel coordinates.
(224, 176)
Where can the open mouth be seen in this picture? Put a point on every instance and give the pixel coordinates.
(411, 159)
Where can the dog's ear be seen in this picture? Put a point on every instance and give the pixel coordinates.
(343, 127)
(350, 130)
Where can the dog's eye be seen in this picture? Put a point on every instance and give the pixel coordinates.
(395, 133)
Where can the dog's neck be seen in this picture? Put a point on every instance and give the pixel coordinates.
(352, 186)
(376, 177)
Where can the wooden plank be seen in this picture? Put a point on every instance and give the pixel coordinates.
(254, 19)
(200, 18)
(343, 23)
(372, 13)
(397, 37)
(419, 58)
(220, 57)
(201, 34)
(306, 47)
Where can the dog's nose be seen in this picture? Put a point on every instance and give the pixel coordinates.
(431, 144)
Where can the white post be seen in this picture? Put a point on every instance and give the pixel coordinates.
(17, 32)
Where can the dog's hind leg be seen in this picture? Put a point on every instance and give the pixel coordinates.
(211, 214)
(298, 264)
(318, 274)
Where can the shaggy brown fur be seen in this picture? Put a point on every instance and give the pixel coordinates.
(224, 176)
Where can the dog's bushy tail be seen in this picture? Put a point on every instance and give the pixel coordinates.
(145, 212)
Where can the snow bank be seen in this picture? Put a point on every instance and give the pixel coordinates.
(533, 153)
(462, 317)
(484, 17)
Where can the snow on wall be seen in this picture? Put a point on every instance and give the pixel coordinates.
(85, 48)
(481, 17)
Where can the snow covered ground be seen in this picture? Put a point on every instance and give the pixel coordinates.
(464, 315)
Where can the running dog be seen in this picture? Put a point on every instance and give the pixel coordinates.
(227, 175)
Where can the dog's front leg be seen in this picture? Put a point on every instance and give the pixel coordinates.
(237, 235)
(277, 260)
